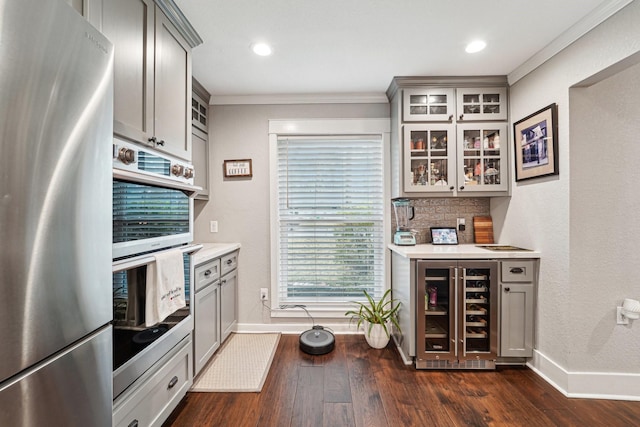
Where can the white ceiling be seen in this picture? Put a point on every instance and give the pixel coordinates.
(358, 46)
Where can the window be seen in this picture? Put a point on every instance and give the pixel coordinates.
(329, 218)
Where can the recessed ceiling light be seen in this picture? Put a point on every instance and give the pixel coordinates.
(261, 49)
(475, 46)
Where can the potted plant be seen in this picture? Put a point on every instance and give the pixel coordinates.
(377, 318)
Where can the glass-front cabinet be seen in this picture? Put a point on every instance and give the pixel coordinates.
(482, 157)
(481, 104)
(429, 158)
(425, 105)
(456, 314)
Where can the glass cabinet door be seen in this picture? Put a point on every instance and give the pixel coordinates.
(477, 327)
(481, 104)
(436, 311)
(483, 162)
(429, 158)
(423, 105)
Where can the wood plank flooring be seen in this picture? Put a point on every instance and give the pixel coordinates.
(359, 386)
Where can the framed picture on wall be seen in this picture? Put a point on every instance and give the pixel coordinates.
(238, 168)
(535, 141)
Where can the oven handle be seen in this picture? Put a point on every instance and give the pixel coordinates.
(125, 175)
(126, 264)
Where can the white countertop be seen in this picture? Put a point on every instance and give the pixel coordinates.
(213, 250)
(468, 251)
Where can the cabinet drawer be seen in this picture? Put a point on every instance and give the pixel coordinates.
(229, 262)
(151, 402)
(207, 273)
(518, 271)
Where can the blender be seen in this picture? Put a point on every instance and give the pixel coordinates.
(404, 213)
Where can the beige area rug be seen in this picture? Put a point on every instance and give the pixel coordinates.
(241, 365)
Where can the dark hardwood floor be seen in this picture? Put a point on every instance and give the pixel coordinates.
(359, 386)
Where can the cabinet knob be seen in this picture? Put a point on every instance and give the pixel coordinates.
(451, 117)
(133, 423)
(451, 188)
(516, 270)
(229, 261)
(161, 142)
(207, 273)
(152, 140)
(507, 289)
(173, 382)
(461, 116)
(462, 187)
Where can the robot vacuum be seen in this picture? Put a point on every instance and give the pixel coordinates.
(317, 340)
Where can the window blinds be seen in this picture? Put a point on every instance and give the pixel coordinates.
(330, 218)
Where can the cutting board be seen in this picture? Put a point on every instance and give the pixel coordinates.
(483, 229)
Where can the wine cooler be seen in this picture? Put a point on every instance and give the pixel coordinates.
(457, 315)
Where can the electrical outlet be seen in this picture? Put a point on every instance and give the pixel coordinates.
(264, 294)
(213, 226)
(461, 224)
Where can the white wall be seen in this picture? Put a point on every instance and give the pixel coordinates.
(577, 340)
(241, 206)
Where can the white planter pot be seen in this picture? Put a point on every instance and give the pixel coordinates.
(377, 338)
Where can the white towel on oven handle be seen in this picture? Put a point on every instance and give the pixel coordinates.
(165, 286)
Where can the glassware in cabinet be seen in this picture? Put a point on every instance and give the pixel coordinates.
(481, 104)
(482, 160)
(430, 157)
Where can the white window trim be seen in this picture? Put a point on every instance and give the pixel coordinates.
(323, 127)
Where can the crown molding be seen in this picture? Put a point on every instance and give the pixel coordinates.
(306, 98)
(582, 27)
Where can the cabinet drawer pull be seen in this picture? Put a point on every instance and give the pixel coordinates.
(173, 382)
(207, 273)
(516, 270)
(133, 423)
(152, 140)
(229, 261)
(507, 289)
(161, 142)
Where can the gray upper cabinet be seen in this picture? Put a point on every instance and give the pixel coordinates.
(152, 76)
(200, 138)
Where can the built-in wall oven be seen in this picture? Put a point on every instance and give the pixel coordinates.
(152, 200)
(152, 213)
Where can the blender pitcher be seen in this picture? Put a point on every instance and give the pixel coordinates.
(404, 212)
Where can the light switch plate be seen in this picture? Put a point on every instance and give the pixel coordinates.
(213, 226)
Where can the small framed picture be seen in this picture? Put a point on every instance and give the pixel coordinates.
(238, 168)
(444, 236)
(536, 144)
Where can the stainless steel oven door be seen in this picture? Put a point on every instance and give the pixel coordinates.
(149, 217)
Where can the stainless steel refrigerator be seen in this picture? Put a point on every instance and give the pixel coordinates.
(56, 119)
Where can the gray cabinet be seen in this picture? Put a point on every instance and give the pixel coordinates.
(152, 76)
(200, 138)
(229, 294)
(449, 137)
(215, 306)
(517, 306)
(206, 310)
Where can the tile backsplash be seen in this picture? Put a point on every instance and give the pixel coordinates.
(444, 212)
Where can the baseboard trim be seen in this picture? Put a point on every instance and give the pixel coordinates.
(586, 385)
(295, 328)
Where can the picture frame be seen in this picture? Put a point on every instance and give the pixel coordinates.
(535, 140)
(239, 168)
